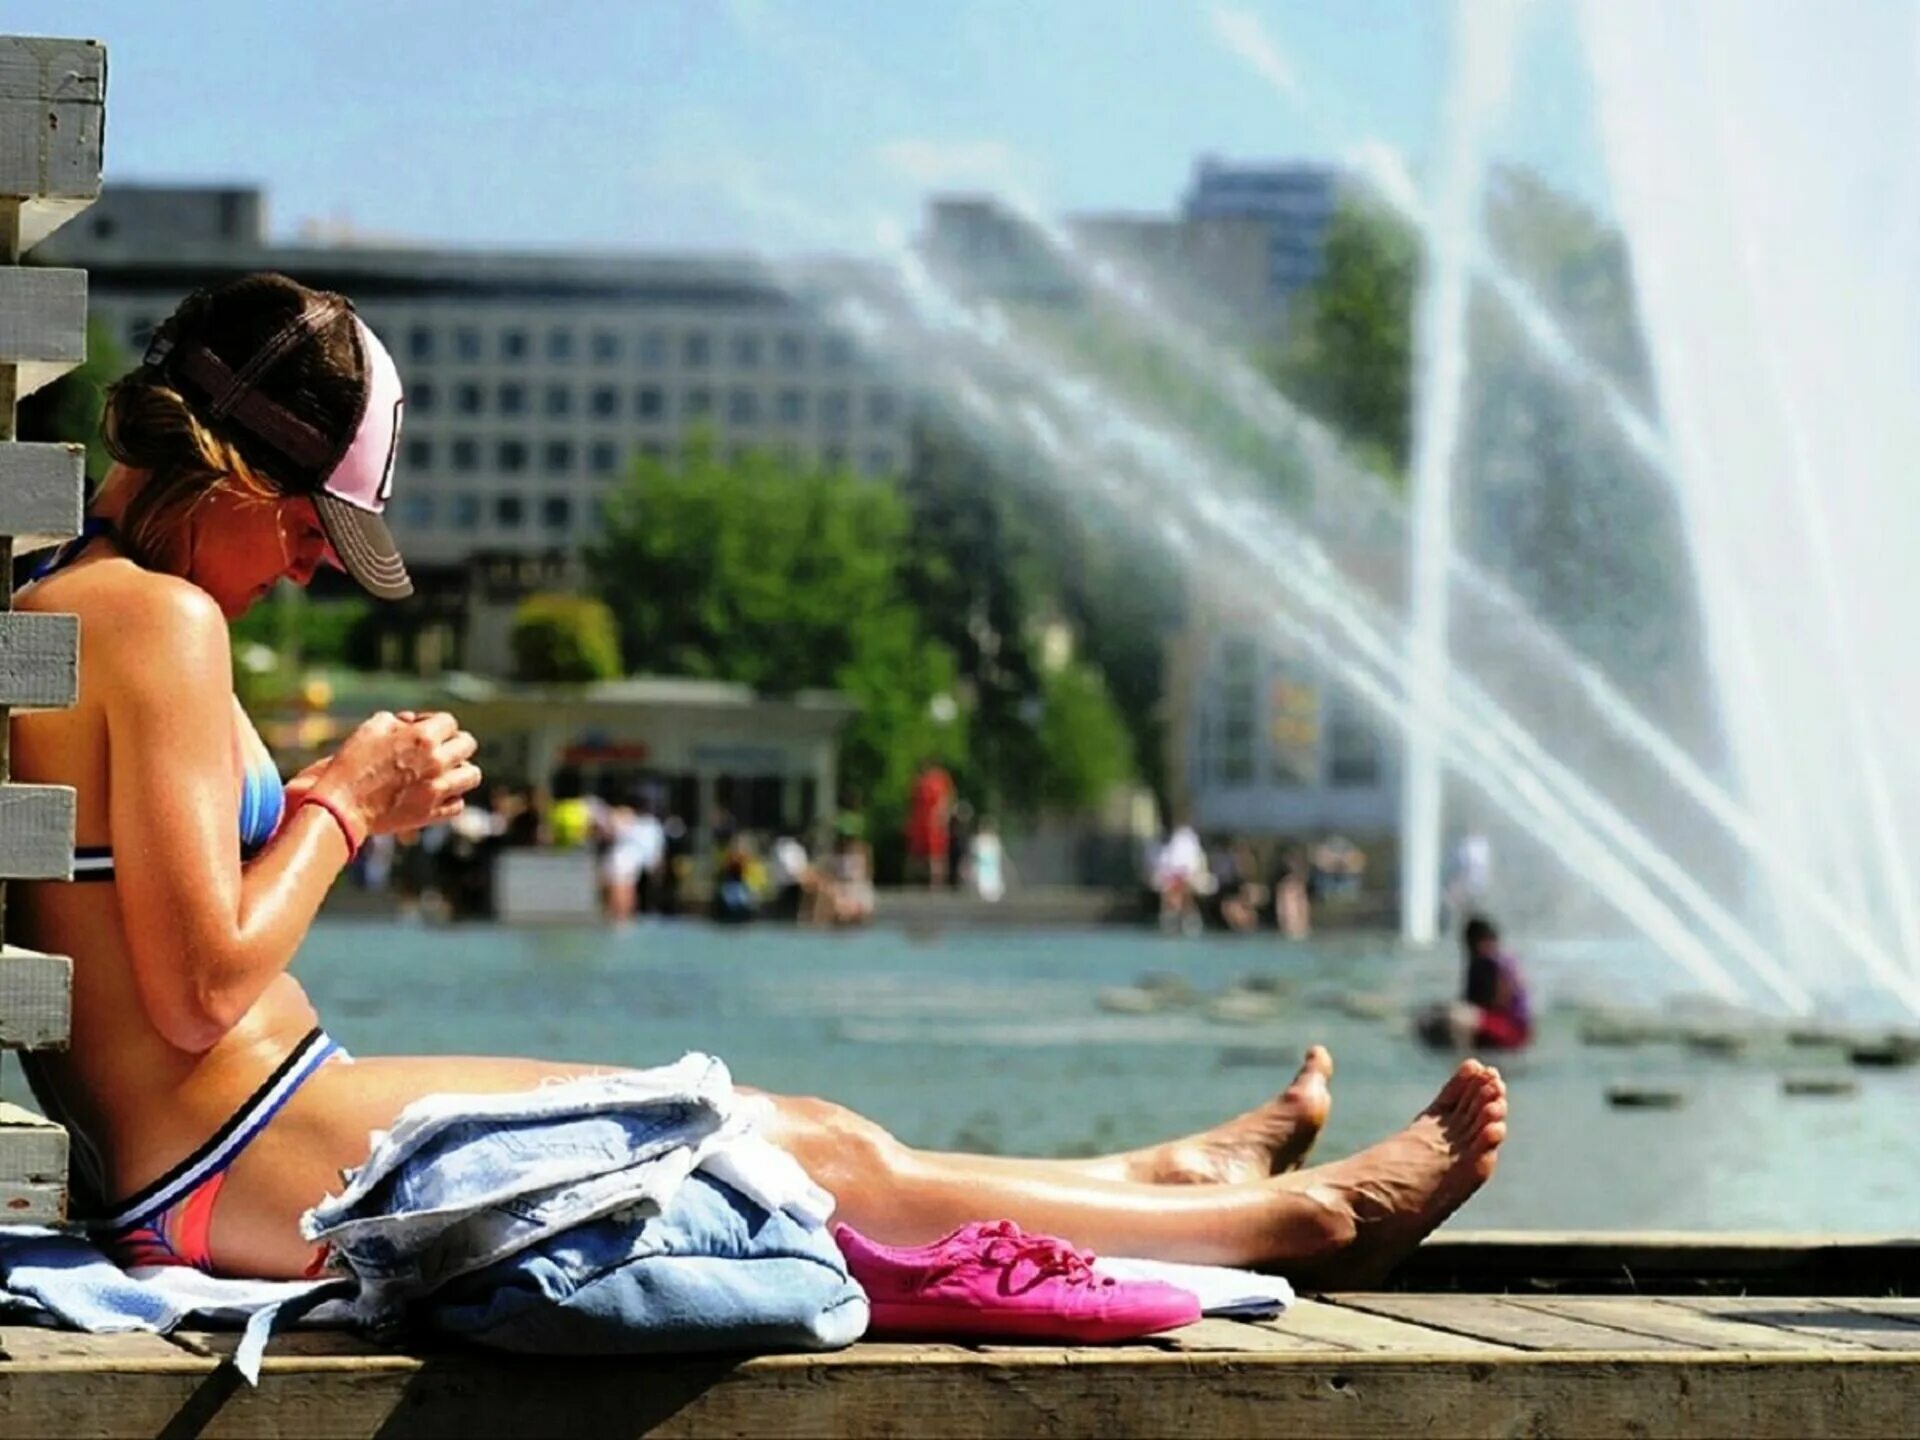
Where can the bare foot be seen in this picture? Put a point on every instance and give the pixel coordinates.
(1265, 1141)
(1385, 1200)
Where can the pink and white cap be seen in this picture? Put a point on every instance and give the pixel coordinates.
(349, 476)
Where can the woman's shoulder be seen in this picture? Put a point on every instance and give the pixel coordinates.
(126, 611)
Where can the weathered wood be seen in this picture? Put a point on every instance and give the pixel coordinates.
(36, 832)
(861, 1394)
(32, 1150)
(43, 324)
(1335, 1322)
(41, 490)
(1494, 1318)
(36, 999)
(1668, 1321)
(39, 660)
(1811, 1318)
(38, 1345)
(52, 128)
(37, 1203)
(1241, 1337)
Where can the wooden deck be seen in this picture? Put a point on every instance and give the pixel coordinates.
(1699, 1359)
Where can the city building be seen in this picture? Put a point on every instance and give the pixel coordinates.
(1294, 202)
(532, 380)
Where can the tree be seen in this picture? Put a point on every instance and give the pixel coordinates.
(564, 639)
(781, 577)
(1349, 356)
(1087, 749)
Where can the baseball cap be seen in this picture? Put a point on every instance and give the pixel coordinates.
(349, 475)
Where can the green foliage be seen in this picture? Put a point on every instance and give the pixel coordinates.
(69, 409)
(781, 578)
(1349, 357)
(564, 639)
(1084, 741)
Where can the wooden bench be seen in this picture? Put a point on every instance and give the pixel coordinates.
(52, 98)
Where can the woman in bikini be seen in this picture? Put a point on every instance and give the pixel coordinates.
(208, 1107)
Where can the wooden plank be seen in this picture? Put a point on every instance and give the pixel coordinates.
(39, 660)
(43, 323)
(1811, 1317)
(33, 1150)
(1335, 1323)
(1243, 1337)
(39, 1345)
(1667, 1321)
(52, 133)
(1492, 1317)
(41, 493)
(36, 832)
(36, 999)
(863, 1395)
(32, 1203)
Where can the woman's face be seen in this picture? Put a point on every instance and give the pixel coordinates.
(241, 546)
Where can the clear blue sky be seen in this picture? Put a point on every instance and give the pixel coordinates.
(789, 124)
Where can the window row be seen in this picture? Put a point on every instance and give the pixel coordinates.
(653, 349)
(831, 408)
(466, 511)
(463, 455)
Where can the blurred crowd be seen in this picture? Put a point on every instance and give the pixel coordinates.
(1229, 883)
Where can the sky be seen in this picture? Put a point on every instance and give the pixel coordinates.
(780, 125)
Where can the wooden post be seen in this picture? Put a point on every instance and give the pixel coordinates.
(52, 107)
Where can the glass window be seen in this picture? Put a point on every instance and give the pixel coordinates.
(556, 512)
(466, 398)
(650, 402)
(416, 510)
(420, 343)
(513, 344)
(465, 456)
(560, 345)
(696, 402)
(511, 397)
(606, 347)
(419, 454)
(791, 349)
(696, 350)
(835, 408)
(880, 407)
(466, 342)
(653, 350)
(466, 511)
(604, 402)
(511, 456)
(793, 407)
(1293, 728)
(559, 400)
(836, 351)
(746, 351)
(509, 511)
(604, 457)
(1232, 729)
(743, 407)
(421, 399)
(1353, 747)
(557, 457)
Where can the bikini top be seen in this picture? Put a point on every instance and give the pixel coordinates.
(263, 799)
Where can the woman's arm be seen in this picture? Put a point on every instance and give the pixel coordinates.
(206, 935)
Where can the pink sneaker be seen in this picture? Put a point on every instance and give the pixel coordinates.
(993, 1280)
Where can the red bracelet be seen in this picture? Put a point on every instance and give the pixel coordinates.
(339, 818)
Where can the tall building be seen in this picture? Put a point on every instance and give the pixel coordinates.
(532, 379)
(1294, 202)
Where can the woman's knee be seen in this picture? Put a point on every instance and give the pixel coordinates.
(834, 1144)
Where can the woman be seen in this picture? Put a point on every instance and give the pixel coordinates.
(208, 1107)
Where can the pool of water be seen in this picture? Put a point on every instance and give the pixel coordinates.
(993, 1041)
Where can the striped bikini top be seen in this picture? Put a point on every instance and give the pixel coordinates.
(263, 799)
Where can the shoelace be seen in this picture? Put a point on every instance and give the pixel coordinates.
(1006, 1245)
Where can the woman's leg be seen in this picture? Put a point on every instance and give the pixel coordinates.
(1371, 1207)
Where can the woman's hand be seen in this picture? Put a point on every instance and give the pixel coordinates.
(398, 772)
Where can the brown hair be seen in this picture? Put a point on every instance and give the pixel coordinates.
(155, 425)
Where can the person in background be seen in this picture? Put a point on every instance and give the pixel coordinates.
(649, 840)
(620, 862)
(736, 899)
(929, 813)
(1242, 896)
(1179, 878)
(1292, 904)
(850, 897)
(790, 876)
(986, 862)
(1338, 868)
(1493, 1011)
(1469, 876)
(572, 817)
